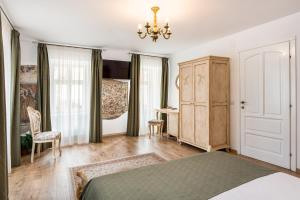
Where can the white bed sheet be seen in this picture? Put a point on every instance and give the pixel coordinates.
(278, 186)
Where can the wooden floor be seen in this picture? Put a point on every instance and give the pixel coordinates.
(49, 179)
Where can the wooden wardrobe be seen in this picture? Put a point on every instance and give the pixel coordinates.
(204, 102)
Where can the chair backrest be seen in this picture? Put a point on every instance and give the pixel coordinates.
(35, 120)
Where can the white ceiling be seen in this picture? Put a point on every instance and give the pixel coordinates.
(113, 23)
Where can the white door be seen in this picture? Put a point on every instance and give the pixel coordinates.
(265, 104)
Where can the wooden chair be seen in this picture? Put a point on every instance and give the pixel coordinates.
(159, 124)
(39, 137)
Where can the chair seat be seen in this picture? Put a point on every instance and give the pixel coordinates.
(49, 135)
(155, 121)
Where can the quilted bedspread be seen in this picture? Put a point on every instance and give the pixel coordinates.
(199, 177)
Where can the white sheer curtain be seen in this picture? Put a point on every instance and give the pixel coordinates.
(70, 80)
(150, 86)
(6, 34)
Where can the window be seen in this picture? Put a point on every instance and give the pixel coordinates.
(150, 86)
(70, 79)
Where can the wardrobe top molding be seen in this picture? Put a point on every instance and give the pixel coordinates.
(217, 58)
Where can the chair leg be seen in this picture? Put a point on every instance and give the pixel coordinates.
(160, 131)
(59, 145)
(153, 130)
(53, 148)
(39, 149)
(32, 152)
(149, 131)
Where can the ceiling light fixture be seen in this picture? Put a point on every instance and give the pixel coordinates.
(155, 31)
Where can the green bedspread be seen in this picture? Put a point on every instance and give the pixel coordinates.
(194, 178)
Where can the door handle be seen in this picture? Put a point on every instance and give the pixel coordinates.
(243, 102)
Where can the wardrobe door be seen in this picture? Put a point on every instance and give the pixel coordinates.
(201, 126)
(187, 103)
(201, 90)
(187, 123)
(201, 77)
(186, 83)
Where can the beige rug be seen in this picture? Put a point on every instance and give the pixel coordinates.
(82, 174)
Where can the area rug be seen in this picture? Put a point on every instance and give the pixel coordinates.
(81, 175)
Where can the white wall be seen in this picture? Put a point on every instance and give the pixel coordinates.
(28, 51)
(29, 57)
(273, 32)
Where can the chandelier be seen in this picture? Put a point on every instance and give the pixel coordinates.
(154, 31)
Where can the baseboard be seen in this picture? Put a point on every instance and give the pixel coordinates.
(298, 171)
(113, 134)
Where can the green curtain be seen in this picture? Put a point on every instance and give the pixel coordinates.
(96, 97)
(43, 93)
(3, 146)
(164, 89)
(133, 108)
(15, 108)
(43, 82)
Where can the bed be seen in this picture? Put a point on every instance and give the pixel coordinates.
(201, 177)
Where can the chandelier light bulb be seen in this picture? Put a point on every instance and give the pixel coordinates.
(147, 20)
(140, 27)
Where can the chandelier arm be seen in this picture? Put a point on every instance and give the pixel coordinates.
(143, 36)
(166, 36)
(166, 28)
(164, 31)
(149, 31)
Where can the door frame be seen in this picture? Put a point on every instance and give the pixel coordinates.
(293, 100)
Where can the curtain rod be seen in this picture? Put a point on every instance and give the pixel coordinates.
(68, 45)
(12, 26)
(150, 55)
(90, 48)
